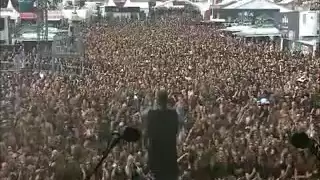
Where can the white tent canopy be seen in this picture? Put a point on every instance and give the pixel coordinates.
(259, 31)
(204, 5)
(9, 11)
(142, 5)
(285, 2)
(10, 6)
(226, 2)
(169, 4)
(110, 3)
(256, 5)
(33, 36)
(237, 28)
(82, 13)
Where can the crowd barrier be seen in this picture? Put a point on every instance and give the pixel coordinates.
(10, 48)
(9, 66)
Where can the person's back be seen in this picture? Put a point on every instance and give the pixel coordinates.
(162, 130)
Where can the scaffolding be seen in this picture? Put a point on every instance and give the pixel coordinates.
(42, 25)
(318, 49)
(68, 51)
(68, 54)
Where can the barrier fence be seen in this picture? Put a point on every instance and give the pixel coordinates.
(54, 66)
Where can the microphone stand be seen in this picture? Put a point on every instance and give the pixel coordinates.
(115, 140)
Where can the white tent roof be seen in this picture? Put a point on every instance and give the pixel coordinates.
(81, 13)
(268, 30)
(237, 28)
(169, 3)
(285, 1)
(9, 11)
(309, 42)
(110, 3)
(33, 36)
(238, 4)
(10, 6)
(204, 5)
(226, 2)
(142, 5)
(13, 14)
(260, 31)
(256, 4)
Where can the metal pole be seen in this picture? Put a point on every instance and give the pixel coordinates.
(39, 24)
(42, 21)
(45, 19)
(82, 65)
(52, 64)
(318, 33)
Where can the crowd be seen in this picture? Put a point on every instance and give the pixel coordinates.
(238, 103)
(315, 5)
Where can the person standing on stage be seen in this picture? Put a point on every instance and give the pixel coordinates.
(162, 130)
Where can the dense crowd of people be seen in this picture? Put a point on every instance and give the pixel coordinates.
(315, 5)
(238, 102)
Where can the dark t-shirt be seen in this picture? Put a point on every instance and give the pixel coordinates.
(72, 171)
(263, 171)
(162, 129)
(219, 170)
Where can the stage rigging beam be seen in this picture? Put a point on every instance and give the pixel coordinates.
(42, 21)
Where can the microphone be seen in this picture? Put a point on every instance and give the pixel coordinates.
(302, 141)
(127, 133)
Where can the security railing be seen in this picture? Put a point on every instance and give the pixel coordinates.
(56, 65)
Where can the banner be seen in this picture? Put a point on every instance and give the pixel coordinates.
(26, 5)
(28, 16)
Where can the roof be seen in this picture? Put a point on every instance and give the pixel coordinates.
(259, 31)
(226, 2)
(236, 28)
(309, 42)
(256, 4)
(200, 6)
(30, 33)
(9, 10)
(33, 37)
(12, 13)
(285, 1)
(111, 3)
(9, 3)
(10, 6)
(81, 13)
(238, 4)
(142, 5)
